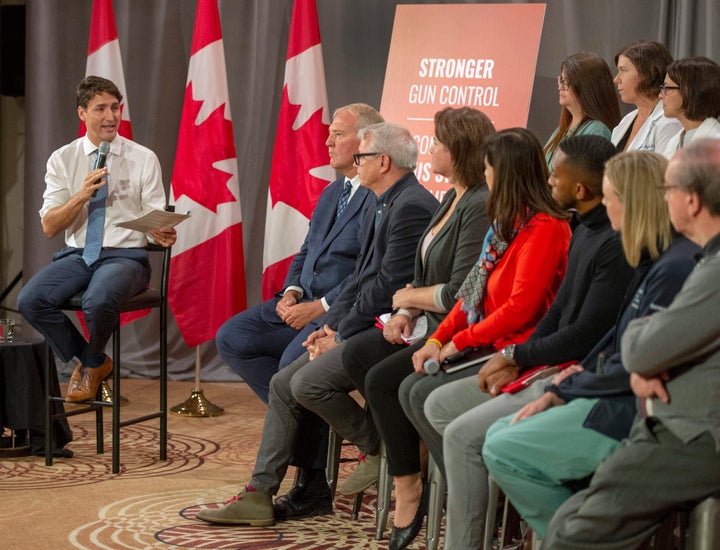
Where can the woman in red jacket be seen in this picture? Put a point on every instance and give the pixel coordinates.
(502, 299)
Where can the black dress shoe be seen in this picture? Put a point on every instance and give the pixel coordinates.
(298, 504)
(401, 537)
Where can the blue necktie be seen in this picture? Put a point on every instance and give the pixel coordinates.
(95, 226)
(344, 199)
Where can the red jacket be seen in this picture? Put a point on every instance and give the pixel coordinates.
(519, 290)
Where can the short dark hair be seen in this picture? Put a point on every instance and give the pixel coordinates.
(587, 156)
(520, 185)
(699, 82)
(90, 86)
(463, 131)
(651, 59)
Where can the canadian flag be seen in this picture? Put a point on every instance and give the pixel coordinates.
(300, 168)
(207, 282)
(104, 60)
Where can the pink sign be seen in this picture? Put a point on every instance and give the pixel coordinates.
(481, 56)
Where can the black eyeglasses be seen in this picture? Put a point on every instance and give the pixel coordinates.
(665, 87)
(358, 156)
(563, 84)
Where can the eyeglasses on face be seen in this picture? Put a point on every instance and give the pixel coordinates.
(666, 187)
(357, 157)
(563, 83)
(665, 87)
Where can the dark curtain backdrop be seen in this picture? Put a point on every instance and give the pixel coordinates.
(155, 41)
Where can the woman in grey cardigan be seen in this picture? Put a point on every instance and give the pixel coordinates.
(446, 252)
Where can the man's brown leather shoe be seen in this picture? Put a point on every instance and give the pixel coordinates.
(90, 379)
(74, 378)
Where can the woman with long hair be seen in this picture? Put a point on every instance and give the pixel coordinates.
(588, 102)
(641, 69)
(589, 408)
(691, 94)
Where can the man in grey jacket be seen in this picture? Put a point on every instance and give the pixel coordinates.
(672, 457)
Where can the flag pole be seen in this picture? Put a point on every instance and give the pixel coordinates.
(197, 405)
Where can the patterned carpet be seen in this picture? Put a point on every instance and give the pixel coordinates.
(79, 503)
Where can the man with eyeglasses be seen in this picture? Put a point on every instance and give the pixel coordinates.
(393, 224)
(670, 460)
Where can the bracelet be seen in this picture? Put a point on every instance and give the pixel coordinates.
(434, 341)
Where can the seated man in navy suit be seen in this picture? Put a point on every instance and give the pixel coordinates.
(400, 211)
(263, 339)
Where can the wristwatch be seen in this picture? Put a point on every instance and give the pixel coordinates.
(508, 352)
(338, 338)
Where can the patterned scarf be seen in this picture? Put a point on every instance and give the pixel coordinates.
(472, 290)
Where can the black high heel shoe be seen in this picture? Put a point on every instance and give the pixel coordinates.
(401, 537)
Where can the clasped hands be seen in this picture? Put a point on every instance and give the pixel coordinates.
(320, 341)
(295, 313)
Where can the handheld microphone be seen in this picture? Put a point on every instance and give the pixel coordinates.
(431, 366)
(103, 151)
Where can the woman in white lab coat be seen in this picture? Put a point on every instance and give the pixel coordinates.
(691, 94)
(641, 71)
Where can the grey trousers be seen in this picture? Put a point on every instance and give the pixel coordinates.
(463, 414)
(323, 386)
(290, 432)
(650, 475)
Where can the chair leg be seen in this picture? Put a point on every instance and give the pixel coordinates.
(357, 504)
(333, 460)
(704, 525)
(49, 433)
(163, 382)
(384, 492)
(436, 504)
(491, 514)
(116, 401)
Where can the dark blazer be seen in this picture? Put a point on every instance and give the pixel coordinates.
(387, 257)
(328, 255)
(455, 248)
(605, 376)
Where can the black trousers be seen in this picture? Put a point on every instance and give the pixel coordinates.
(377, 367)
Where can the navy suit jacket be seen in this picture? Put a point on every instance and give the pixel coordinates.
(387, 259)
(328, 255)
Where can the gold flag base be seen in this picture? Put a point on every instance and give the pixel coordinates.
(197, 405)
(107, 395)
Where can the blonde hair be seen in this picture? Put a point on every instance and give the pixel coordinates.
(636, 178)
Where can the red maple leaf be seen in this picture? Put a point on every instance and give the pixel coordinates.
(295, 153)
(199, 146)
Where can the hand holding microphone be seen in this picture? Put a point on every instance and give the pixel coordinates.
(431, 366)
(101, 160)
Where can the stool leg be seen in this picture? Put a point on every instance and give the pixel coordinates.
(384, 491)
(116, 401)
(49, 439)
(357, 503)
(491, 515)
(333, 460)
(436, 503)
(163, 381)
(704, 525)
